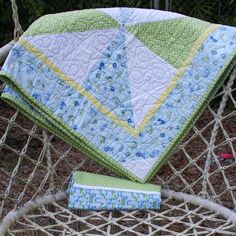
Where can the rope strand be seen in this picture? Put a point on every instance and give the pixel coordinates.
(18, 31)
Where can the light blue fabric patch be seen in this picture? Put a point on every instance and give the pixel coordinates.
(108, 80)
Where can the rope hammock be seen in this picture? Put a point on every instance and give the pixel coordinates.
(199, 187)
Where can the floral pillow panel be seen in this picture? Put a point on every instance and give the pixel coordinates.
(88, 191)
(123, 85)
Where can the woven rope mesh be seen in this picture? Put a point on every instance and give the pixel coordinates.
(34, 162)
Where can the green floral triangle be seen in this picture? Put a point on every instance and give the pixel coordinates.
(172, 40)
(75, 21)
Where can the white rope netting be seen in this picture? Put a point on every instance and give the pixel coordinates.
(34, 163)
(35, 167)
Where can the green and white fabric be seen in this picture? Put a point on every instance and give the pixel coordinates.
(89, 191)
(122, 85)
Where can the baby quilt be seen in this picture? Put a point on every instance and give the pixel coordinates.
(123, 85)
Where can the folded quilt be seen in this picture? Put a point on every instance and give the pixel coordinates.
(123, 85)
(89, 191)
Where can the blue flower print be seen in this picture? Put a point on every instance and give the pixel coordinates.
(133, 145)
(161, 122)
(37, 96)
(112, 88)
(62, 106)
(76, 103)
(140, 154)
(107, 149)
(88, 87)
(223, 55)
(127, 154)
(214, 52)
(75, 127)
(101, 66)
(17, 52)
(213, 39)
(154, 153)
(129, 121)
(162, 135)
(140, 134)
(96, 200)
(206, 73)
(104, 127)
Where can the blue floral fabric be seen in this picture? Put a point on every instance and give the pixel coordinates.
(112, 67)
(100, 199)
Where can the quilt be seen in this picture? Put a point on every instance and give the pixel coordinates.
(88, 191)
(123, 85)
